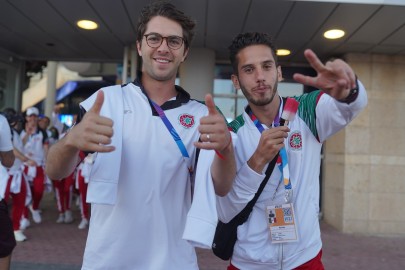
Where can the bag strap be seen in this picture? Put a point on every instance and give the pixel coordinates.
(244, 214)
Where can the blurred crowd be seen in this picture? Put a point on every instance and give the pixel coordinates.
(32, 135)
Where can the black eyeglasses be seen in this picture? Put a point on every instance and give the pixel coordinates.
(154, 40)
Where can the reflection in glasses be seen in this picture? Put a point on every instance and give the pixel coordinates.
(154, 40)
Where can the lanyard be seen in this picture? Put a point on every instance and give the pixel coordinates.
(283, 164)
(175, 136)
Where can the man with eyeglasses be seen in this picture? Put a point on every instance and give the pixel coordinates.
(145, 135)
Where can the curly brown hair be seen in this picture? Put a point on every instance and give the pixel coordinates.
(168, 10)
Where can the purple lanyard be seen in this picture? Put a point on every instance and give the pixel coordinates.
(175, 136)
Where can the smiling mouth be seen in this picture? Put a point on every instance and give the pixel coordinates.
(163, 61)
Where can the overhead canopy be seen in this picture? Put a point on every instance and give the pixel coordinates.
(37, 92)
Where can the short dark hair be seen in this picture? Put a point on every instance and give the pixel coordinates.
(244, 40)
(12, 116)
(168, 10)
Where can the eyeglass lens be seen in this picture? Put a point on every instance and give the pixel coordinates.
(155, 40)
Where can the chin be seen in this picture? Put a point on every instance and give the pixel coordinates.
(159, 76)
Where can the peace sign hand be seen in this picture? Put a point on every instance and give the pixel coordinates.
(335, 78)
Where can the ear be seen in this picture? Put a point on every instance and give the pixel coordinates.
(235, 81)
(185, 55)
(138, 47)
(279, 74)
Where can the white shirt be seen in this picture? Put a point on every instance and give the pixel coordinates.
(18, 144)
(5, 135)
(143, 227)
(316, 120)
(34, 147)
(5, 146)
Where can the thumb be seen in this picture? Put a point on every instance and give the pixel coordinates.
(98, 103)
(209, 102)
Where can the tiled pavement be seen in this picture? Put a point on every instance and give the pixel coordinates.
(54, 246)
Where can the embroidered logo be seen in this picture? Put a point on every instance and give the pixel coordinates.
(186, 120)
(296, 140)
(127, 111)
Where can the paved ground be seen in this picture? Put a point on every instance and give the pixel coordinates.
(54, 246)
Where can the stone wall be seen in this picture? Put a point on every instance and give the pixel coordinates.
(364, 164)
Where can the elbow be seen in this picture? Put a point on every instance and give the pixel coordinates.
(8, 163)
(223, 190)
(221, 193)
(52, 174)
(8, 159)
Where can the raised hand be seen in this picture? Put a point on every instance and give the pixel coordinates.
(31, 162)
(271, 141)
(335, 78)
(30, 128)
(94, 132)
(213, 129)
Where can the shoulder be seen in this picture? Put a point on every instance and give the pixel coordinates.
(16, 136)
(236, 124)
(3, 120)
(110, 94)
(202, 103)
(309, 100)
(307, 105)
(197, 105)
(43, 133)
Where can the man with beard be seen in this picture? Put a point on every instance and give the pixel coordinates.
(293, 240)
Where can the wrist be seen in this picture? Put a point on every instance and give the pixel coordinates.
(68, 142)
(353, 93)
(221, 154)
(257, 164)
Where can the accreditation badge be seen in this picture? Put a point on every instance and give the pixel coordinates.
(282, 223)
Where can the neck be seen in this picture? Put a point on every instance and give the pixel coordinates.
(268, 112)
(159, 91)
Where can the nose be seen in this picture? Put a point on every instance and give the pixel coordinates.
(260, 75)
(163, 46)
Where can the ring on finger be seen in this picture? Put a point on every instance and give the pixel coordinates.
(208, 137)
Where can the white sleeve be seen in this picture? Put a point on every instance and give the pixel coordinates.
(202, 217)
(245, 186)
(5, 135)
(333, 115)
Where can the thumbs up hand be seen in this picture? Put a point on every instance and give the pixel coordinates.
(93, 133)
(213, 129)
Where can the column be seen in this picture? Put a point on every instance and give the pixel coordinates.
(134, 62)
(124, 77)
(197, 73)
(50, 87)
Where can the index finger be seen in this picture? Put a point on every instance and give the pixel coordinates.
(314, 61)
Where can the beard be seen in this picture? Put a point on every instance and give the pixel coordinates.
(260, 101)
